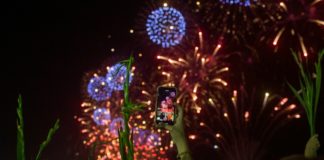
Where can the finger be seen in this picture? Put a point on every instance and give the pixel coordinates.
(314, 136)
(180, 112)
(159, 125)
(164, 125)
(168, 127)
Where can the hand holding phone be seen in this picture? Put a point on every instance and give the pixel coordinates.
(178, 136)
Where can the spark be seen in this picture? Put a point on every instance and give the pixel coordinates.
(301, 41)
(275, 41)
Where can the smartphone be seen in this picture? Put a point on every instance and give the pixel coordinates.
(165, 108)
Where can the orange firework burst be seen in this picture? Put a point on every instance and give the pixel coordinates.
(298, 24)
(198, 76)
(243, 128)
(145, 89)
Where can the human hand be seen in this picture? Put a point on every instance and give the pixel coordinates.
(311, 148)
(178, 135)
(177, 130)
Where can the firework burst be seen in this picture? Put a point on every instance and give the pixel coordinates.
(198, 77)
(235, 20)
(297, 24)
(116, 76)
(98, 88)
(243, 128)
(146, 91)
(166, 26)
(100, 121)
(103, 137)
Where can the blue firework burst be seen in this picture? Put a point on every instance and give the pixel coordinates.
(166, 26)
(101, 116)
(238, 2)
(115, 125)
(98, 88)
(116, 77)
(153, 139)
(146, 137)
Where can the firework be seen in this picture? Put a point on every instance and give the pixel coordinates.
(147, 142)
(237, 2)
(115, 125)
(100, 121)
(242, 128)
(98, 89)
(166, 26)
(297, 24)
(179, 70)
(146, 91)
(116, 76)
(95, 127)
(237, 21)
(101, 116)
(198, 76)
(103, 138)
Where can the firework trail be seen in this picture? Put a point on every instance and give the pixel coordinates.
(237, 21)
(297, 24)
(145, 89)
(242, 129)
(198, 76)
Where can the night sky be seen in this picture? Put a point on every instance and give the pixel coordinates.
(50, 45)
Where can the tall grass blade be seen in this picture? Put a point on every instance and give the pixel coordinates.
(310, 89)
(50, 135)
(126, 145)
(20, 131)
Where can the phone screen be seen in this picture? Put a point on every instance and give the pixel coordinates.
(165, 109)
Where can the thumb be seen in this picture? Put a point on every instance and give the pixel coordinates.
(180, 112)
(168, 127)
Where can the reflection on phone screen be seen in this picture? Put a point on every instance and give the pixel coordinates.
(165, 105)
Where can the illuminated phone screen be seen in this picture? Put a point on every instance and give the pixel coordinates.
(165, 109)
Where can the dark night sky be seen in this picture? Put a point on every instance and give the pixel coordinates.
(49, 45)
